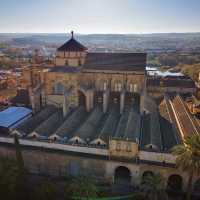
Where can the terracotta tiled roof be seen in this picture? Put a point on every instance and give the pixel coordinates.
(170, 82)
(186, 120)
(115, 61)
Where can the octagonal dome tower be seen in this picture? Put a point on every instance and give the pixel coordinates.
(72, 53)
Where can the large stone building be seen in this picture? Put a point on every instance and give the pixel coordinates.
(94, 116)
(88, 78)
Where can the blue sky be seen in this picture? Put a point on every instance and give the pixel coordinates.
(100, 16)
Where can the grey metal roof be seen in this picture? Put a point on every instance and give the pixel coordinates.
(110, 125)
(89, 127)
(47, 127)
(150, 130)
(71, 123)
(121, 127)
(132, 130)
(168, 127)
(29, 125)
(115, 61)
(65, 69)
(145, 136)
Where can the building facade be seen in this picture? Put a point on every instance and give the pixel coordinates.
(94, 115)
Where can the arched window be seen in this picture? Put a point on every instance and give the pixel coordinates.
(115, 88)
(118, 87)
(59, 88)
(135, 88)
(104, 86)
(122, 176)
(66, 62)
(118, 146)
(71, 54)
(128, 147)
(81, 98)
(79, 63)
(131, 87)
(175, 183)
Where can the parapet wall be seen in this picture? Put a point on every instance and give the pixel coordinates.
(143, 155)
(61, 160)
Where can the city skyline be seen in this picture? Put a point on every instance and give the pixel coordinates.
(94, 16)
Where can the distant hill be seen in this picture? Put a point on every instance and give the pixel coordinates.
(158, 42)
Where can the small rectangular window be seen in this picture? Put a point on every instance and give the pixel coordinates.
(119, 87)
(131, 87)
(118, 146)
(128, 147)
(115, 88)
(104, 86)
(135, 88)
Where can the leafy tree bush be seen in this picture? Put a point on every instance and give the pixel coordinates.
(45, 191)
(81, 187)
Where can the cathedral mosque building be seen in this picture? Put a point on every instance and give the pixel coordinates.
(95, 89)
(93, 115)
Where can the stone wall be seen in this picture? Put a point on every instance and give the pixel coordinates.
(60, 163)
(111, 79)
(57, 163)
(70, 58)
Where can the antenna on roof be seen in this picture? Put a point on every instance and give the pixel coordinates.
(72, 33)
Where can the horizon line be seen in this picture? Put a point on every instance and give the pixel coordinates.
(68, 33)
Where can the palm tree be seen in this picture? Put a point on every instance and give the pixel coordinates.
(188, 159)
(154, 188)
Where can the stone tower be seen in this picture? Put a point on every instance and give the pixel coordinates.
(72, 53)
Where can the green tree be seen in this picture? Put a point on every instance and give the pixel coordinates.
(21, 192)
(45, 191)
(19, 157)
(81, 187)
(154, 188)
(8, 178)
(188, 159)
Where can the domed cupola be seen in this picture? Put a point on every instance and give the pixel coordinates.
(72, 53)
